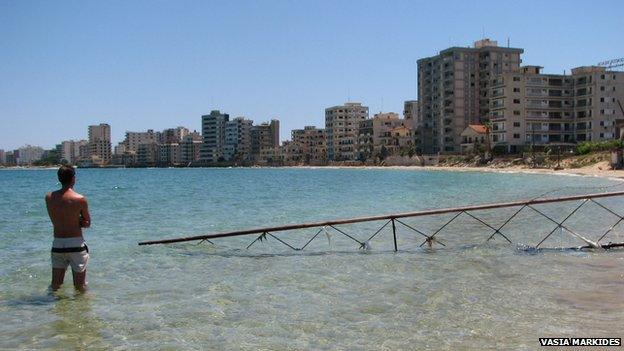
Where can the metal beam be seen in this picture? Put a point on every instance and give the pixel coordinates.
(382, 217)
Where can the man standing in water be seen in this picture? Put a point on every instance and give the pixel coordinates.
(69, 213)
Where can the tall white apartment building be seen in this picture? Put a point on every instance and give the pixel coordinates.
(453, 89)
(341, 126)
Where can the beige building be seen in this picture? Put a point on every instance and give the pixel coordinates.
(270, 156)
(148, 154)
(596, 108)
(172, 135)
(309, 145)
(376, 137)
(100, 149)
(264, 136)
(70, 151)
(170, 154)
(528, 108)
(134, 139)
(411, 114)
(190, 148)
(342, 125)
(473, 137)
(453, 91)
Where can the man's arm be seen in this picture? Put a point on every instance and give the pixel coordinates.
(47, 201)
(85, 217)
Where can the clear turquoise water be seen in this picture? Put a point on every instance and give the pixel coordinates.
(332, 296)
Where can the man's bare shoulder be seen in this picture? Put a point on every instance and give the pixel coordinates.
(79, 197)
(50, 195)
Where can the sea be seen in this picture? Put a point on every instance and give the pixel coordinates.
(463, 292)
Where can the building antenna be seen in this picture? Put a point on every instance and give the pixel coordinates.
(507, 41)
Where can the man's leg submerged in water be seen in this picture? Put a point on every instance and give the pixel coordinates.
(80, 280)
(58, 275)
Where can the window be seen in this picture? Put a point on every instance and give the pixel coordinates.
(516, 79)
(516, 113)
(516, 90)
(602, 88)
(516, 101)
(516, 124)
(602, 76)
(516, 136)
(601, 99)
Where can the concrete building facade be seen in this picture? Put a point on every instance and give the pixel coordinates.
(238, 139)
(375, 137)
(173, 135)
(148, 154)
(529, 108)
(28, 154)
(309, 145)
(70, 151)
(411, 114)
(190, 148)
(264, 136)
(99, 145)
(213, 133)
(598, 98)
(342, 125)
(453, 89)
(170, 154)
(134, 139)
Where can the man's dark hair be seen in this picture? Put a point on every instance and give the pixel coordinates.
(66, 174)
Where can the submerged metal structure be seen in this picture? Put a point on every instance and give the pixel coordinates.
(431, 237)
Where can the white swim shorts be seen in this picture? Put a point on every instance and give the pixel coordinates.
(70, 251)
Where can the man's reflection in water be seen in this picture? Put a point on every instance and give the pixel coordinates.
(77, 328)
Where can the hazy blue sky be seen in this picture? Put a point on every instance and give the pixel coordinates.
(158, 64)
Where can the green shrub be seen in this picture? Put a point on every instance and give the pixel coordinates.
(587, 147)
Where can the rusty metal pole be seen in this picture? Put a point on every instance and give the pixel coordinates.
(394, 235)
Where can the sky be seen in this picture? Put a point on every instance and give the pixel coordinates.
(141, 65)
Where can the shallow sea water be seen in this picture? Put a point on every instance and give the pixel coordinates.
(470, 294)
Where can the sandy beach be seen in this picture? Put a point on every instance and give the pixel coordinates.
(601, 169)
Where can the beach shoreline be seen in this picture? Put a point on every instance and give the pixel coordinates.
(600, 169)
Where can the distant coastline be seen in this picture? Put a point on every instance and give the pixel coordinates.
(600, 169)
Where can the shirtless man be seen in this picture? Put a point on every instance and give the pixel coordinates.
(69, 213)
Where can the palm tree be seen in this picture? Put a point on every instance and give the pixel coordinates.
(488, 129)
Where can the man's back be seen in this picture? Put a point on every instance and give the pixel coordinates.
(67, 210)
(69, 213)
